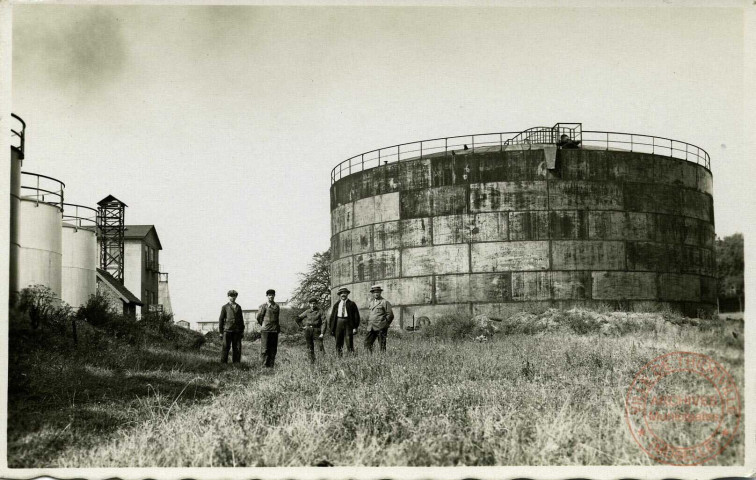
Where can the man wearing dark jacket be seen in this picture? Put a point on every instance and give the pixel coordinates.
(345, 319)
(267, 317)
(231, 327)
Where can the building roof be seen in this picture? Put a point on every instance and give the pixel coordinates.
(108, 199)
(139, 232)
(122, 291)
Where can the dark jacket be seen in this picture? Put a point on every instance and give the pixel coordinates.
(353, 314)
(312, 318)
(230, 320)
(267, 317)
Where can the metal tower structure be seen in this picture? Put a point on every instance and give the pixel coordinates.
(110, 215)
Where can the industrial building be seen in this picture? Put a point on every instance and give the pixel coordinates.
(77, 250)
(505, 222)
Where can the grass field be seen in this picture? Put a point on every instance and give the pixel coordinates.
(553, 396)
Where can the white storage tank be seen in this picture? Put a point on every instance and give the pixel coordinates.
(18, 131)
(79, 254)
(40, 236)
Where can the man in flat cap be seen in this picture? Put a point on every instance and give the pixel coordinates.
(231, 327)
(345, 319)
(267, 317)
(381, 316)
(312, 321)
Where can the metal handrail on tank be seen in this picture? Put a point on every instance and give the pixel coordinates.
(608, 140)
(18, 133)
(42, 189)
(80, 216)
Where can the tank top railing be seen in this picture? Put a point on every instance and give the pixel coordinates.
(536, 135)
(18, 132)
(42, 189)
(80, 216)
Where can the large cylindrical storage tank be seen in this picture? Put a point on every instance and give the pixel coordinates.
(18, 132)
(496, 224)
(40, 235)
(79, 268)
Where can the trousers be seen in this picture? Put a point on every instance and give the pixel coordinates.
(344, 332)
(232, 341)
(380, 335)
(268, 348)
(312, 337)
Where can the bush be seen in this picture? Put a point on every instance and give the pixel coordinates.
(450, 328)
(44, 309)
(96, 311)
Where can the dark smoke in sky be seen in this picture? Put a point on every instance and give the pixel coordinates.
(75, 48)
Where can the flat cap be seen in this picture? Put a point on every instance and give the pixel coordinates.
(376, 288)
(232, 293)
(343, 290)
(270, 291)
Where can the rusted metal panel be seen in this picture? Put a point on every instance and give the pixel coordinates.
(636, 167)
(342, 218)
(705, 181)
(522, 166)
(531, 286)
(709, 289)
(491, 287)
(571, 285)
(610, 225)
(602, 166)
(698, 232)
(361, 239)
(623, 285)
(507, 196)
(510, 256)
(408, 291)
(386, 235)
(377, 209)
(654, 256)
(415, 174)
(416, 203)
(646, 197)
(668, 228)
(568, 224)
(386, 179)
(697, 260)
(571, 195)
(697, 205)
(335, 250)
(452, 229)
(342, 271)
(488, 227)
(572, 165)
(344, 242)
(415, 232)
(438, 259)
(528, 225)
(672, 171)
(679, 287)
(452, 288)
(376, 265)
(449, 200)
(588, 255)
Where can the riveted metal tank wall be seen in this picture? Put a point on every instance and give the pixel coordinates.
(79, 264)
(497, 232)
(40, 236)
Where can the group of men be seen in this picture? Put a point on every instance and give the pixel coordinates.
(343, 322)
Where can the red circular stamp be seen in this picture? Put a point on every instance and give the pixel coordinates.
(683, 408)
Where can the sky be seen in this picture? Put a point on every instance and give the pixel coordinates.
(220, 125)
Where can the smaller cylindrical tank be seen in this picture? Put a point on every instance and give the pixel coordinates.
(18, 130)
(79, 271)
(40, 236)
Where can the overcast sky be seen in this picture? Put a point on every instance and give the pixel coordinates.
(220, 125)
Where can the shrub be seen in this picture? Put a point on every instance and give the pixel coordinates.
(44, 309)
(96, 311)
(450, 328)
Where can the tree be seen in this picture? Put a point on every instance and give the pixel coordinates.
(316, 282)
(730, 267)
